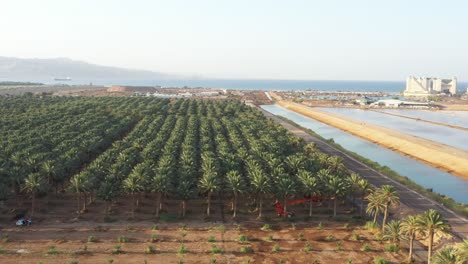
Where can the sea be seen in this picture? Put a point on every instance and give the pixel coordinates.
(267, 85)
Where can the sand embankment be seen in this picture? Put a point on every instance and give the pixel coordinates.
(439, 155)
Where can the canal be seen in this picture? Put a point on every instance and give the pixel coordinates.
(421, 173)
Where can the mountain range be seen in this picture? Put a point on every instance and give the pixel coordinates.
(19, 69)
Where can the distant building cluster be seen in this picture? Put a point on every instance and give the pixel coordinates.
(424, 86)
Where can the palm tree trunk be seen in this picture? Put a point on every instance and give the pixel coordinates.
(133, 205)
(260, 202)
(385, 217)
(184, 207)
(375, 217)
(234, 213)
(410, 254)
(158, 201)
(79, 202)
(334, 207)
(209, 203)
(84, 199)
(33, 201)
(362, 205)
(285, 207)
(429, 249)
(310, 207)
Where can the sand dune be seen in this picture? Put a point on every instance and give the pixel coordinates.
(439, 155)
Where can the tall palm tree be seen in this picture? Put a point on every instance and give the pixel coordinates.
(132, 186)
(160, 185)
(364, 189)
(393, 232)
(236, 186)
(208, 183)
(48, 170)
(260, 184)
(389, 196)
(374, 205)
(310, 186)
(432, 222)
(32, 184)
(409, 228)
(354, 180)
(446, 255)
(185, 190)
(337, 188)
(285, 188)
(77, 183)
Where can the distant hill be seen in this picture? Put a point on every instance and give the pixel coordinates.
(47, 69)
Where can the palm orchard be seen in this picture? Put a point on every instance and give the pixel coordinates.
(424, 226)
(184, 150)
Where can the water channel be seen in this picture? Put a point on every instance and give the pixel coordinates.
(421, 173)
(446, 135)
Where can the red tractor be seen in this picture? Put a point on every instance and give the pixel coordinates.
(280, 207)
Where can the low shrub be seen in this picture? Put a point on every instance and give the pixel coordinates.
(150, 249)
(154, 227)
(380, 260)
(307, 247)
(371, 226)
(366, 248)
(246, 249)
(182, 249)
(301, 237)
(52, 250)
(320, 226)
(122, 239)
(153, 238)
(211, 239)
(117, 249)
(92, 239)
(355, 237)
(270, 238)
(276, 248)
(330, 238)
(339, 246)
(266, 227)
(243, 239)
(392, 248)
(216, 250)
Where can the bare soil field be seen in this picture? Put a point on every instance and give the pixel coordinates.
(58, 236)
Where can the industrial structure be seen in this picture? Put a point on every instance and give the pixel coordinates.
(425, 86)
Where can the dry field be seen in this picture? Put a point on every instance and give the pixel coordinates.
(57, 236)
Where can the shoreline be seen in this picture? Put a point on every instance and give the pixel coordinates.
(449, 159)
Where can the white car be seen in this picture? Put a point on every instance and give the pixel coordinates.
(22, 222)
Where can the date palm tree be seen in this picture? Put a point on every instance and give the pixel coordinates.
(374, 205)
(236, 186)
(446, 255)
(364, 189)
(310, 186)
(393, 232)
(409, 228)
(132, 186)
(185, 189)
(77, 184)
(260, 185)
(354, 180)
(432, 222)
(285, 188)
(208, 184)
(31, 185)
(389, 196)
(337, 188)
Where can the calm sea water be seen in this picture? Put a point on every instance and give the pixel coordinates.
(423, 174)
(384, 86)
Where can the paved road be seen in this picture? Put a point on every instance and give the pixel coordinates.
(411, 201)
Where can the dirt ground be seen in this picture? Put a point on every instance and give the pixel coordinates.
(58, 236)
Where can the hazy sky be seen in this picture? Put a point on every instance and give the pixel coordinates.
(284, 39)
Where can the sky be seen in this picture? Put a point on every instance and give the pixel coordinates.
(249, 39)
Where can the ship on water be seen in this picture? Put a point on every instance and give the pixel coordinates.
(62, 79)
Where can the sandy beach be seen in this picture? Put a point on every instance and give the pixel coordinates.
(450, 159)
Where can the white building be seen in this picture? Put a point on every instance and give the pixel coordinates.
(424, 86)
